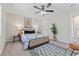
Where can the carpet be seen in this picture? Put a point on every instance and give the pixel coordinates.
(50, 50)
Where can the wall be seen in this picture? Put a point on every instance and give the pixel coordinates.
(37, 21)
(3, 28)
(63, 23)
(14, 20)
(0, 20)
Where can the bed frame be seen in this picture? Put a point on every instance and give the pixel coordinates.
(38, 42)
(29, 32)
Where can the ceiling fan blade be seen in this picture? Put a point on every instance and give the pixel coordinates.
(42, 8)
(49, 4)
(36, 7)
(49, 10)
(37, 12)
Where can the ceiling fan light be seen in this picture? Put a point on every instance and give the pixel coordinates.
(43, 12)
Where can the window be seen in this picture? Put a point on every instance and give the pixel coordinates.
(75, 27)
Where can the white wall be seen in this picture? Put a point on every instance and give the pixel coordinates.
(3, 28)
(0, 20)
(37, 21)
(13, 20)
(63, 23)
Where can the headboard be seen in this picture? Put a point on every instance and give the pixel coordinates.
(29, 32)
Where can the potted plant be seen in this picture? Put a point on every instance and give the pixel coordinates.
(54, 31)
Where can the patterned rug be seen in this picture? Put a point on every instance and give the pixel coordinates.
(50, 50)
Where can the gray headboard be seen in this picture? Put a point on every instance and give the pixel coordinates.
(29, 30)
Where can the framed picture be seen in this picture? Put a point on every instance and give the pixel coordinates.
(27, 22)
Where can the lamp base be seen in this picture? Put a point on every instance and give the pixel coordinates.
(55, 39)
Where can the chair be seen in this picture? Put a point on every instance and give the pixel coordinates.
(74, 46)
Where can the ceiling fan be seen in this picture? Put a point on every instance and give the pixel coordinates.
(43, 10)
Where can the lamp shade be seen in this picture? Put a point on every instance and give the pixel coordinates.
(36, 26)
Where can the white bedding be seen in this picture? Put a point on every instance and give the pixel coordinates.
(25, 38)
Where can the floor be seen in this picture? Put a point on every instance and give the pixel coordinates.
(16, 48)
(59, 43)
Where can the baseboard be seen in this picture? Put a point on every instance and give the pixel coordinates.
(2, 48)
(9, 40)
(65, 41)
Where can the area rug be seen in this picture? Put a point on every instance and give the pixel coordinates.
(50, 50)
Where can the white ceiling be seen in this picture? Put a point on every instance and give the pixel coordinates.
(26, 9)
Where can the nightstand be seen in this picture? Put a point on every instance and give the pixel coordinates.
(16, 37)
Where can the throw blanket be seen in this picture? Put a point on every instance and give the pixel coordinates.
(27, 37)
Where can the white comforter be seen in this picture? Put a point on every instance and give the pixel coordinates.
(27, 37)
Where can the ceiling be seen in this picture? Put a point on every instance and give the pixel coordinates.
(26, 9)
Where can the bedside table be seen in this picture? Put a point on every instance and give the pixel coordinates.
(17, 36)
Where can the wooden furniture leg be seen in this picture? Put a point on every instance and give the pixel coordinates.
(13, 39)
(72, 52)
(74, 46)
(18, 36)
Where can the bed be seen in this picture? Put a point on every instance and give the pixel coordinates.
(31, 40)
